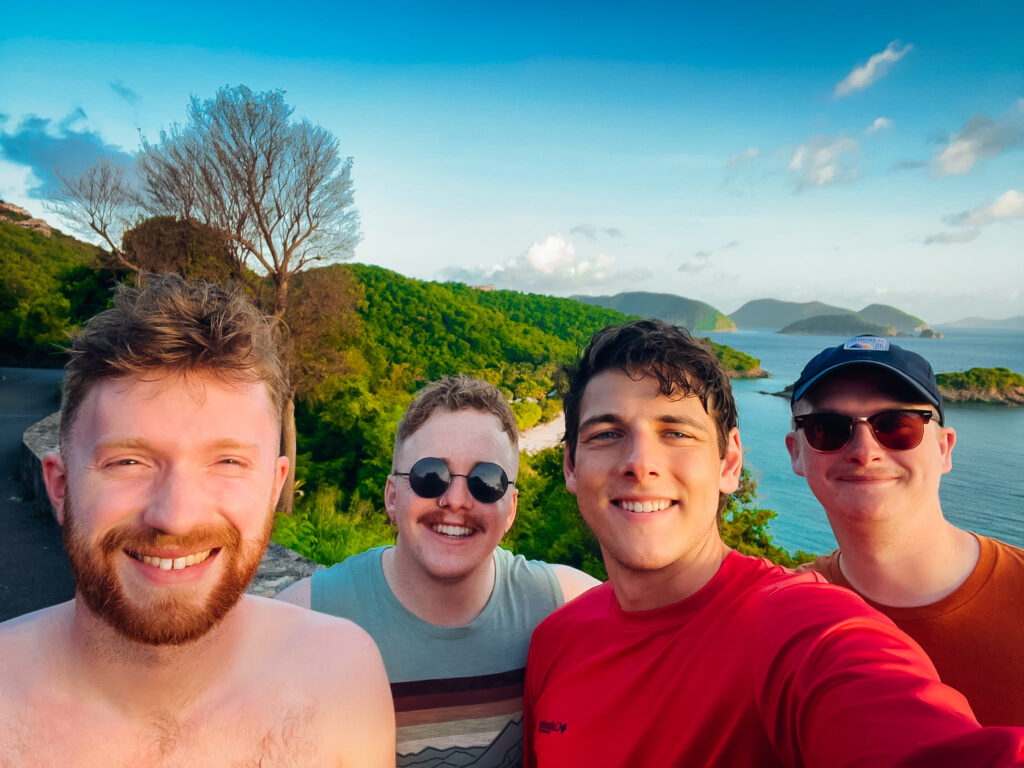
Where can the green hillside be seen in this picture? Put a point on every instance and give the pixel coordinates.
(48, 285)
(891, 317)
(837, 325)
(774, 314)
(694, 315)
(411, 331)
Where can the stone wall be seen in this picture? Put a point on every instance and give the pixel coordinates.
(279, 568)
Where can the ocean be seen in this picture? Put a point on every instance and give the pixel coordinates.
(985, 490)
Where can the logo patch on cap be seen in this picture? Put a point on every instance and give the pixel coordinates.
(867, 342)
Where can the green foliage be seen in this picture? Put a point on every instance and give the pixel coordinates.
(527, 413)
(736, 362)
(998, 379)
(325, 529)
(411, 332)
(548, 524)
(744, 527)
(48, 286)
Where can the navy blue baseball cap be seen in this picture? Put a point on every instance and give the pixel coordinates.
(872, 350)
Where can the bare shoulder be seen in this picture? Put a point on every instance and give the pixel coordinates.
(573, 581)
(31, 667)
(26, 640)
(315, 645)
(332, 663)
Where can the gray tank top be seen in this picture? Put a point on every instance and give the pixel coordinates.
(457, 690)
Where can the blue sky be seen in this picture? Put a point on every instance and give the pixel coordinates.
(853, 154)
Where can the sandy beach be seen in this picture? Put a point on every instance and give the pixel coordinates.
(542, 436)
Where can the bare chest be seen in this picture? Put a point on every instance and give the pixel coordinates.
(264, 734)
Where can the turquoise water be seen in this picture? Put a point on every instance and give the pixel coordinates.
(985, 490)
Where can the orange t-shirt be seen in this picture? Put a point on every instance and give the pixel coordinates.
(974, 636)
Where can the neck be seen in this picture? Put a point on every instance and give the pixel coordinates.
(914, 565)
(645, 590)
(144, 679)
(444, 602)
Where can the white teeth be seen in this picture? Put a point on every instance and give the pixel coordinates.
(645, 506)
(167, 564)
(451, 530)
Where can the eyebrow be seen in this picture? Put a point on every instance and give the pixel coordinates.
(668, 419)
(140, 444)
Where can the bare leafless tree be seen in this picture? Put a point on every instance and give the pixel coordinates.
(279, 188)
(100, 200)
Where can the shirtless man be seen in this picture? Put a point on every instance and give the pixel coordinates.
(165, 486)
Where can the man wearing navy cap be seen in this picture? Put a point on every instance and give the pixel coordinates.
(869, 436)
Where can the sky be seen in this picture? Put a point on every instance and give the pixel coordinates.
(851, 154)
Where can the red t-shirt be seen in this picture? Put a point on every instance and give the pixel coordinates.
(761, 667)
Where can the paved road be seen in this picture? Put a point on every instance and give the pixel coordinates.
(33, 570)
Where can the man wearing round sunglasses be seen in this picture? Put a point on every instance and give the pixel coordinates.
(451, 611)
(869, 436)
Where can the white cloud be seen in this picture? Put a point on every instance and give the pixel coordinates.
(1006, 207)
(863, 76)
(880, 124)
(1009, 205)
(981, 138)
(548, 266)
(555, 253)
(825, 160)
(748, 154)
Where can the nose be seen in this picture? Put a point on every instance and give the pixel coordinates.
(175, 506)
(457, 496)
(863, 448)
(640, 459)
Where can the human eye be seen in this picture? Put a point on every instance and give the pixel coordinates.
(601, 435)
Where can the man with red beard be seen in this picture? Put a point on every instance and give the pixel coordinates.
(165, 484)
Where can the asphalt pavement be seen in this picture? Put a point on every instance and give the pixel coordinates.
(34, 572)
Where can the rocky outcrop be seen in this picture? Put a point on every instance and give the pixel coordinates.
(991, 395)
(279, 568)
(19, 217)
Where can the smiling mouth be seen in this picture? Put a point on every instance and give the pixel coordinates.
(644, 506)
(171, 564)
(455, 531)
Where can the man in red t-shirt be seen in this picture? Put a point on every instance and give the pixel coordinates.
(870, 438)
(694, 654)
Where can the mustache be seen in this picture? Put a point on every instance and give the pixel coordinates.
(139, 538)
(440, 517)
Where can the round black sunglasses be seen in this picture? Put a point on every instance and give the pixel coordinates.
(430, 477)
(896, 430)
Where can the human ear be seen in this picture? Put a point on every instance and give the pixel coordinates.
(569, 470)
(55, 477)
(732, 463)
(390, 498)
(795, 453)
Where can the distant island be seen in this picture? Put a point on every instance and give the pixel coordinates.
(694, 315)
(817, 318)
(848, 325)
(1012, 323)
